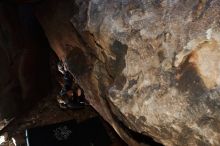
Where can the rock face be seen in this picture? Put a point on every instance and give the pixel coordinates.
(24, 60)
(10, 50)
(151, 64)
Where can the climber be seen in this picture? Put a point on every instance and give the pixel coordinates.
(71, 95)
(68, 79)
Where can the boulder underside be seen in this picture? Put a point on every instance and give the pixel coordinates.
(153, 65)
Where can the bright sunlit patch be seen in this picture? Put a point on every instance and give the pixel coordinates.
(2, 139)
(14, 141)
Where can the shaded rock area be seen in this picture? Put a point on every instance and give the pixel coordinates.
(24, 60)
(47, 112)
(152, 65)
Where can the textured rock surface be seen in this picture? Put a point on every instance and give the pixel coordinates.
(153, 64)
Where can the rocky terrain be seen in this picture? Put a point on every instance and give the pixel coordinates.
(147, 66)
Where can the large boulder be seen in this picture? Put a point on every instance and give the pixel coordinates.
(152, 65)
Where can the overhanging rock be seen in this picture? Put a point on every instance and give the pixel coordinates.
(152, 64)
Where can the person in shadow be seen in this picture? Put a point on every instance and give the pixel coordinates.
(71, 95)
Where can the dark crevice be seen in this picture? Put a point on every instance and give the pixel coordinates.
(138, 137)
